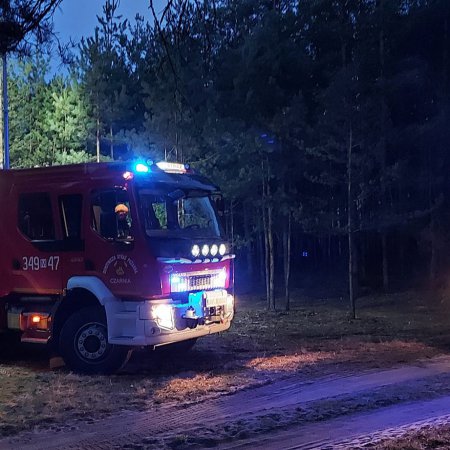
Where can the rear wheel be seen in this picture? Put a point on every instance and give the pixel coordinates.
(84, 346)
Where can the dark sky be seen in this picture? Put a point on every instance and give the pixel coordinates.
(77, 18)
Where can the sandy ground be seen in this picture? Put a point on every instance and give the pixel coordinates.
(313, 378)
(346, 410)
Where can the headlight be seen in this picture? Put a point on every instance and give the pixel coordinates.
(163, 315)
(214, 249)
(222, 249)
(222, 277)
(230, 303)
(205, 250)
(195, 251)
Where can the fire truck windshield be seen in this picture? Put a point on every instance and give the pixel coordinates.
(175, 213)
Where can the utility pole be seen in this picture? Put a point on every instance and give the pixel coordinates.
(5, 113)
(1, 122)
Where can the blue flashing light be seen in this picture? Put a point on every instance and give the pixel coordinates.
(141, 168)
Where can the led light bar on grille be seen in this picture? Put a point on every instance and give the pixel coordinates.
(198, 281)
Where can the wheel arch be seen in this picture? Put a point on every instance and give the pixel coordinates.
(74, 300)
(81, 292)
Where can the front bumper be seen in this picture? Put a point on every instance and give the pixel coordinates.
(154, 323)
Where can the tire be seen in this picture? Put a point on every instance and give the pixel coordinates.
(83, 344)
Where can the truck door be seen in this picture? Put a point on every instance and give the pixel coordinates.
(36, 262)
(73, 244)
(110, 244)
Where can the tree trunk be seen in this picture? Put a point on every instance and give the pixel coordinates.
(402, 260)
(385, 262)
(436, 189)
(363, 260)
(434, 252)
(232, 222)
(383, 138)
(350, 232)
(2, 125)
(111, 142)
(268, 238)
(5, 114)
(98, 139)
(261, 257)
(266, 257)
(287, 261)
(271, 257)
(248, 241)
(329, 250)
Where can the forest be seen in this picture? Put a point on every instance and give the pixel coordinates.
(325, 122)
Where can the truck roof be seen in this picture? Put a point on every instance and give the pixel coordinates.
(187, 180)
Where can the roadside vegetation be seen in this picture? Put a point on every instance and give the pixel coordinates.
(426, 438)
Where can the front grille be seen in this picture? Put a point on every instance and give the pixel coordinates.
(200, 282)
(182, 282)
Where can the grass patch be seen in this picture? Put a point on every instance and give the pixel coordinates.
(317, 337)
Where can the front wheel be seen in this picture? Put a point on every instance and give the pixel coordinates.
(84, 346)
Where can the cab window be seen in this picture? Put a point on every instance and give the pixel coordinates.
(35, 216)
(70, 208)
(111, 217)
(175, 213)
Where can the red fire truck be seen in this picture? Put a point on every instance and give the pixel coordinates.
(98, 259)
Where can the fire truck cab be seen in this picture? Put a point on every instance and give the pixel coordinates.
(98, 259)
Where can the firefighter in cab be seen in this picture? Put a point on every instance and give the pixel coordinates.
(123, 221)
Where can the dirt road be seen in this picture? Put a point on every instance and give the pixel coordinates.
(341, 411)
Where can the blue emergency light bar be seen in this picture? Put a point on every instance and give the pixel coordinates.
(141, 168)
(161, 172)
(168, 167)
